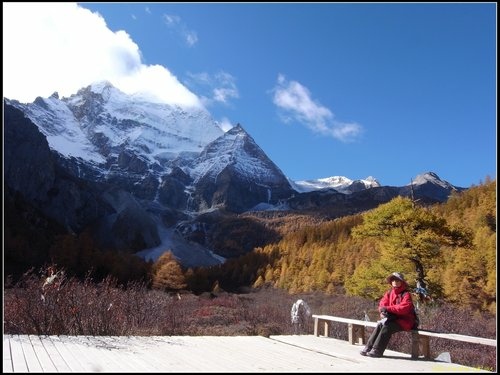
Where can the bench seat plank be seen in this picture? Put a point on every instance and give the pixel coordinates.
(345, 320)
(457, 337)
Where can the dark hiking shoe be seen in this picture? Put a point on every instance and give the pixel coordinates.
(365, 351)
(374, 353)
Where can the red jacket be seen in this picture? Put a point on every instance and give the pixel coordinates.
(402, 307)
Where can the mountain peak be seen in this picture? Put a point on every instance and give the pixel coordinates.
(236, 148)
(100, 86)
(429, 177)
(237, 129)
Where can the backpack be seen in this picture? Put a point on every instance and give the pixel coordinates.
(415, 314)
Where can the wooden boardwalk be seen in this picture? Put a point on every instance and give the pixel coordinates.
(296, 353)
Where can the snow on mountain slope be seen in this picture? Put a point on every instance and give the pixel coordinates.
(56, 121)
(238, 149)
(430, 177)
(101, 115)
(340, 183)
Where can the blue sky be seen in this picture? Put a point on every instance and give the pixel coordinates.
(389, 90)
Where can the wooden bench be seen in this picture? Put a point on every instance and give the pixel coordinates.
(419, 337)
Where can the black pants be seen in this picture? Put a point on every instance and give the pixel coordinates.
(381, 335)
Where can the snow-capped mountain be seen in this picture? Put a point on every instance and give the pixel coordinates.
(239, 171)
(148, 164)
(432, 178)
(135, 172)
(99, 122)
(144, 146)
(109, 134)
(340, 183)
(235, 148)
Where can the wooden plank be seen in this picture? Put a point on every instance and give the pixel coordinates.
(158, 353)
(30, 355)
(155, 352)
(56, 357)
(118, 355)
(198, 345)
(174, 353)
(356, 334)
(70, 358)
(17, 354)
(297, 358)
(169, 353)
(79, 351)
(345, 320)
(7, 358)
(332, 347)
(457, 337)
(415, 349)
(97, 351)
(42, 355)
(220, 357)
(233, 352)
(266, 355)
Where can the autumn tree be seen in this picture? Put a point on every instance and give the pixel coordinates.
(470, 276)
(405, 232)
(167, 273)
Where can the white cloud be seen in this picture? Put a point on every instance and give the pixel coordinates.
(225, 124)
(220, 87)
(171, 20)
(63, 47)
(296, 104)
(191, 38)
(174, 22)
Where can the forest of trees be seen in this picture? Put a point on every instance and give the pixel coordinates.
(455, 242)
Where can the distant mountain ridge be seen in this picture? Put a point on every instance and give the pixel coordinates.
(339, 183)
(130, 168)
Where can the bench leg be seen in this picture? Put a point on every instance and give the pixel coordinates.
(316, 327)
(419, 345)
(356, 334)
(414, 345)
(424, 343)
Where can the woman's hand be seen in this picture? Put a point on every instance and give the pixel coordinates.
(383, 311)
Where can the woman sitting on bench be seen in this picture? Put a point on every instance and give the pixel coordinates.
(396, 312)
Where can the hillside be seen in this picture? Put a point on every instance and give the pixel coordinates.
(315, 254)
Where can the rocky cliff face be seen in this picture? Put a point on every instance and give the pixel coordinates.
(234, 173)
(33, 170)
(38, 175)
